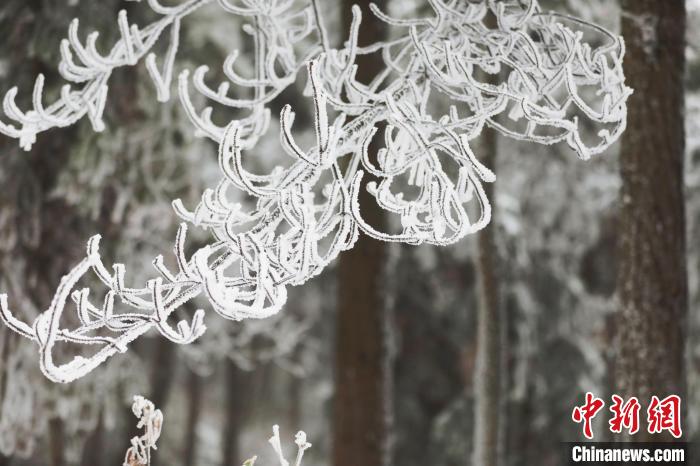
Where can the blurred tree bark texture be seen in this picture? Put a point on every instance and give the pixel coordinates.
(652, 279)
(487, 376)
(238, 383)
(194, 410)
(93, 455)
(56, 442)
(361, 402)
(162, 356)
(163, 370)
(41, 234)
(6, 339)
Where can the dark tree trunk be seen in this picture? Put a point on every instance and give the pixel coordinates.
(296, 385)
(162, 378)
(39, 235)
(57, 442)
(236, 401)
(194, 409)
(42, 235)
(162, 375)
(361, 403)
(487, 380)
(652, 280)
(93, 451)
(163, 359)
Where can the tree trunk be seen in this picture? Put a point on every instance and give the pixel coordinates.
(487, 380)
(194, 409)
(162, 375)
(57, 442)
(236, 400)
(93, 450)
(361, 402)
(6, 337)
(163, 356)
(162, 378)
(295, 390)
(652, 280)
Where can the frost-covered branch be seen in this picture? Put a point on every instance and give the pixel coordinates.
(299, 440)
(551, 86)
(151, 421)
(84, 66)
(278, 29)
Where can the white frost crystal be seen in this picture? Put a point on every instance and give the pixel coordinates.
(151, 421)
(551, 86)
(299, 440)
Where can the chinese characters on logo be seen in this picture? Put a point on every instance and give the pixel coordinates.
(625, 415)
(665, 415)
(587, 412)
(662, 415)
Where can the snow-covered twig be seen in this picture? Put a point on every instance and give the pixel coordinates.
(305, 214)
(299, 440)
(84, 66)
(151, 421)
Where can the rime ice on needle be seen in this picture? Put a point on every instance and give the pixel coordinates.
(299, 440)
(82, 65)
(552, 87)
(151, 421)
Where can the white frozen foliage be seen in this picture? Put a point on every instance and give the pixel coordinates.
(151, 421)
(530, 77)
(299, 440)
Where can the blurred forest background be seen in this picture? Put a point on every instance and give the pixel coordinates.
(469, 354)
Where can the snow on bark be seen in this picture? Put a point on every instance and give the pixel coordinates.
(652, 279)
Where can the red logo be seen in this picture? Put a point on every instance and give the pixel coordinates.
(587, 412)
(662, 415)
(665, 415)
(625, 415)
